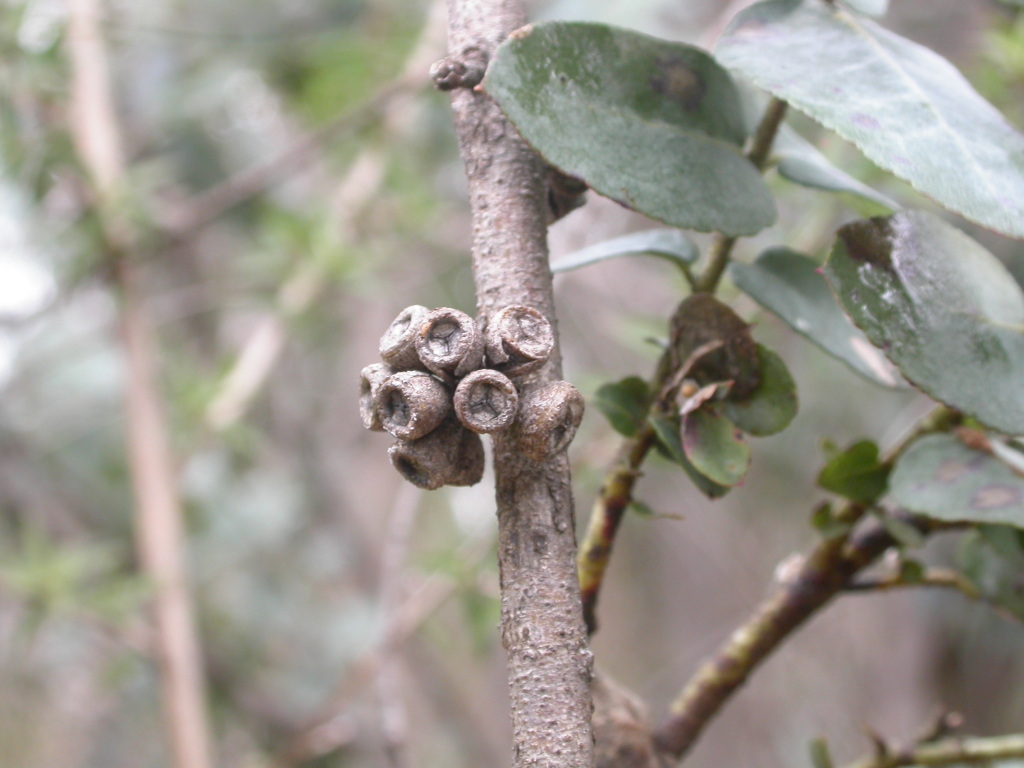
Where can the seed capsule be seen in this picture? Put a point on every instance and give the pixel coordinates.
(398, 344)
(450, 455)
(548, 419)
(449, 344)
(519, 340)
(486, 401)
(370, 379)
(411, 404)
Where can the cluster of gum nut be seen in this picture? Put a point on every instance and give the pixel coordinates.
(446, 379)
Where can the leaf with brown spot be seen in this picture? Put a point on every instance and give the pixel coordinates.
(940, 477)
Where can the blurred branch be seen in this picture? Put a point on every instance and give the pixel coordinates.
(184, 219)
(941, 578)
(261, 351)
(948, 752)
(158, 512)
(393, 717)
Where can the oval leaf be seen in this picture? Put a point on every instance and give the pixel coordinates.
(791, 286)
(856, 473)
(624, 403)
(652, 124)
(715, 446)
(670, 446)
(940, 477)
(669, 244)
(904, 106)
(773, 404)
(943, 309)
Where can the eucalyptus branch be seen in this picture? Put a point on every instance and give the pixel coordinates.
(617, 490)
(949, 751)
(542, 623)
(808, 586)
(818, 577)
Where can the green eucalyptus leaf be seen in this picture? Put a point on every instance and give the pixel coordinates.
(808, 167)
(792, 287)
(669, 244)
(943, 309)
(940, 477)
(669, 444)
(715, 447)
(772, 406)
(654, 125)
(999, 578)
(908, 109)
(624, 403)
(856, 473)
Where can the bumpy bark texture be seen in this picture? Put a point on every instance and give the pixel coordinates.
(542, 623)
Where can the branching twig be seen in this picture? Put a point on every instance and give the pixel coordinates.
(817, 578)
(948, 752)
(617, 490)
(542, 622)
(158, 511)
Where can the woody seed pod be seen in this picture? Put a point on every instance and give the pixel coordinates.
(398, 344)
(519, 340)
(450, 455)
(449, 343)
(486, 401)
(370, 379)
(548, 419)
(411, 404)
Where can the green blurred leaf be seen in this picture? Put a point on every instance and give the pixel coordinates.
(791, 286)
(999, 579)
(821, 757)
(908, 109)
(942, 308)
(671, 447)
(715, 447)
(774, 403)
(911, 571)
(654, 125)
(855, 473)
(940, 477)
(624, 403)
(669, 244)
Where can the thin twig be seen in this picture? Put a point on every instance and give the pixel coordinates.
(817, 578)
(721, 247)
(160, 537)
(949, 751)
(188, 217)
(935, 578)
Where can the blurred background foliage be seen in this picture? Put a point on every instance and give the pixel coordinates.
(296, 182)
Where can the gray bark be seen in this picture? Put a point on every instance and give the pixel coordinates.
(542, 622)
